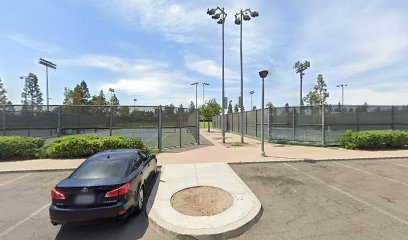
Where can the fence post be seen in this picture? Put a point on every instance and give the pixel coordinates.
(59, 121)
(293, 124)
(358, 118)
(256, 123)
(232, 122)
(198, 126)
(4, 120)
(246, 122)
(392, 117)
(323, 126)
(111, 120)
(159, 130)
(270, 125)
(180, 127)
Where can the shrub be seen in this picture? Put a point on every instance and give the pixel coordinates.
(379, 139)
(20, 147)
(85, 146)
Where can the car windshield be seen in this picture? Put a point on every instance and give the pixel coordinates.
(102, 168)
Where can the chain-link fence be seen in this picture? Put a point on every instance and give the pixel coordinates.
(158, 126)
(317, 125)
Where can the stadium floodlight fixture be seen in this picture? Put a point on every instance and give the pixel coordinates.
(342, 92)
(300, 68)
(220, 14)
(243, 15)
(47, 64)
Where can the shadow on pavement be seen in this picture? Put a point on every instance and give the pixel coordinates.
(134, 228)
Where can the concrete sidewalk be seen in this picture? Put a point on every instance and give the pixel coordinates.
(250, 152)
(212, 150)
(244, 212)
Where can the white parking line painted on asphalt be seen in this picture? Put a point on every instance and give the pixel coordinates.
(396, 164)
(352, 196)
(8, 230)
(357, 169)
(15, 179)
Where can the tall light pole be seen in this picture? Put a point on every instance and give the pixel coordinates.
(220, 14)
(263, 75)
(342, 92)
(111, 90)
(25, 89)
(204, 84)
(196, 107)
(246, 16)
(300, 68)
(251, 93)
(47, 65)
(134, 102)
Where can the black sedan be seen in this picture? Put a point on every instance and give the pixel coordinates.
(109, 184)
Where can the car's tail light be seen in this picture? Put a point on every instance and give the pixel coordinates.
(119, 191)
(55, 194)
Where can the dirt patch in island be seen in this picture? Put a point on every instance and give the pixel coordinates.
(201, 201)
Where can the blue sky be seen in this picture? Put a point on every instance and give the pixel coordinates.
(153, 50)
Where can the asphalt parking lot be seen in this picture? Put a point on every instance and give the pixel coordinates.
(24, 206)
(329, 200)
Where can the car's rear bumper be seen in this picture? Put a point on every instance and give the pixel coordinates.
(75, 215)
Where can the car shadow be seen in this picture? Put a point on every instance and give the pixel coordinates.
(134, 228)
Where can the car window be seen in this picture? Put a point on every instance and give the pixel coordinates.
(137, 161)
(106, 168)
(144, 156)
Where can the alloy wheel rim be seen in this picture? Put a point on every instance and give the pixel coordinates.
(140, 198)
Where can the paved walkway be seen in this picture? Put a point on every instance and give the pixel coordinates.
(251, 152)
(212, 150)
(235, 220)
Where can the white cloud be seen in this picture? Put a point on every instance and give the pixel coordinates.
(33, 44)
(209, 68)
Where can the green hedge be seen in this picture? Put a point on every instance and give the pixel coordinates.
(20, 147)
(381, 139)
(66, 147)
(84, 146)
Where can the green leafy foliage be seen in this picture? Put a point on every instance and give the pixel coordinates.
(20, 147)
(381, 139)
(84, 146)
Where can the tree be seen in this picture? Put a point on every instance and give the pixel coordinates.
(99, 99)
(114, 101)
(272, 109)
(287, 108)
(79, 96)
(192, 105)
(209, 110)
(169, 110)
(3, 96)
(32, 93)
(229, 107)
(236, 108)
(319, 94)
(180, 109)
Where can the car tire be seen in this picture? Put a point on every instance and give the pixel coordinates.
(140, 199)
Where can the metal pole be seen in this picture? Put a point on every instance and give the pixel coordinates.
(293, 123)
(181, 145)
(159, 131)
(323, 126)
(242, 82)
(48, 99)
(262, 120)
(59, 121)
(301, 83)
(198, 120)
(342, 95)
(223, 100)
(203, 92)
(4, 120)
(111, 120)
(392, 117)
(251, 103)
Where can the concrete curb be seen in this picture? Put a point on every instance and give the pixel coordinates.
(318, 160)
(226, 232)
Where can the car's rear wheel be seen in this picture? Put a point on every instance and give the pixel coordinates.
(140, 199)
